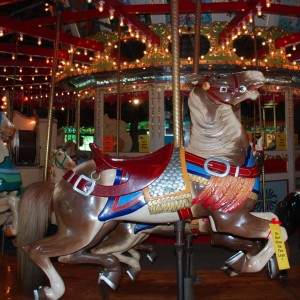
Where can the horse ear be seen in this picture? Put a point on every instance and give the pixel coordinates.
(195, 78)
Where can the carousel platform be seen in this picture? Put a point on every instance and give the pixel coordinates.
(158, 280)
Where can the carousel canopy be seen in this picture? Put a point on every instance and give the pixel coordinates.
(235, 34)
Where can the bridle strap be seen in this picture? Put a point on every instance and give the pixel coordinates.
(60, 165)
(222, 89)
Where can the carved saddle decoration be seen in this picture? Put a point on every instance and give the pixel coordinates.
(142, 171)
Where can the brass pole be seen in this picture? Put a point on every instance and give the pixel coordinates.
(11, 111)
(118, 91)
(52, 89)
(262, 125)
(197, 38)
(77, 125)
(177, 119)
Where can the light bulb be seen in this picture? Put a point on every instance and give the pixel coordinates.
(121, 21)
(101, 4)
(111, 13)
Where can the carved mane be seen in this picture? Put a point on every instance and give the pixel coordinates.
(216, 131)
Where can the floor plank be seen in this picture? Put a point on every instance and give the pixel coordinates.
(81, 283)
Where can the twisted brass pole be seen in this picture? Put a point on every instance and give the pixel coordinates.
(177, 119)
(197, 38)
(52, 90)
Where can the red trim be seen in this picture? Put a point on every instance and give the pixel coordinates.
(221, 167)
(185, 214)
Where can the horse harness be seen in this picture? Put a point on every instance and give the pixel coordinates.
(208, 88)
(155, 183)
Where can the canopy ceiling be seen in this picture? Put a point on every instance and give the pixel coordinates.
(26, 63)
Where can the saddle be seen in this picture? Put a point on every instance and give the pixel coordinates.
(141, 172)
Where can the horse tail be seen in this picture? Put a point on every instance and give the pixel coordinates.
(34, 216)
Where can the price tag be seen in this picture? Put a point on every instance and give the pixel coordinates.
(280, 250)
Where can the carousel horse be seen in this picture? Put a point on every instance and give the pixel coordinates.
(215, 177)
(10, 180)
(61, 162)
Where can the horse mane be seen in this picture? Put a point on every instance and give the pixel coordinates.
(216, 131)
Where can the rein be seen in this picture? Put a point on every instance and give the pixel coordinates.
(222, 89)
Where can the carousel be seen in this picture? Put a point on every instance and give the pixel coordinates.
(130, 124)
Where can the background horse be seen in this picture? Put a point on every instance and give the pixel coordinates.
(222, 186)
(10, 179)
(60, 163)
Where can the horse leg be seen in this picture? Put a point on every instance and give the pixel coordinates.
(246, 225)
(112, 269)
(121, 240)
(251, 247)
(63, 243)
(149, 249)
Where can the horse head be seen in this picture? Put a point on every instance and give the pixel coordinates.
(216, 131)
(230, 89)
(61, 160)
(7, 128)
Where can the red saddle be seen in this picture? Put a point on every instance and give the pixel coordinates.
(142, 171)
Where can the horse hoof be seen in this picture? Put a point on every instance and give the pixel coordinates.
(133, 273)
(111, 278)
(152, 256)
(40, 294)
(229, 271)
(272, 267)
(235, 265)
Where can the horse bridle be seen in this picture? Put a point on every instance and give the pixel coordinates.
(60, 165)
(222, 89)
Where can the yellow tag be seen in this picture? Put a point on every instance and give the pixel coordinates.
(281, 255)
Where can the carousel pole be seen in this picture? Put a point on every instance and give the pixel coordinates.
(77, 122)
(11, 111)
(189, 269)
(262, 125)
(59, 7)
(118, 92)
(197, 38)
(177, 131)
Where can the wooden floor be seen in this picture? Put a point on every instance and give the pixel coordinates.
(81, 284)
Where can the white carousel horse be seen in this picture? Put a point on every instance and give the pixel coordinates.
(88, 206)
(10, 180)
(61, 162)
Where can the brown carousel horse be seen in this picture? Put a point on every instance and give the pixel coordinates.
(222, 185)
